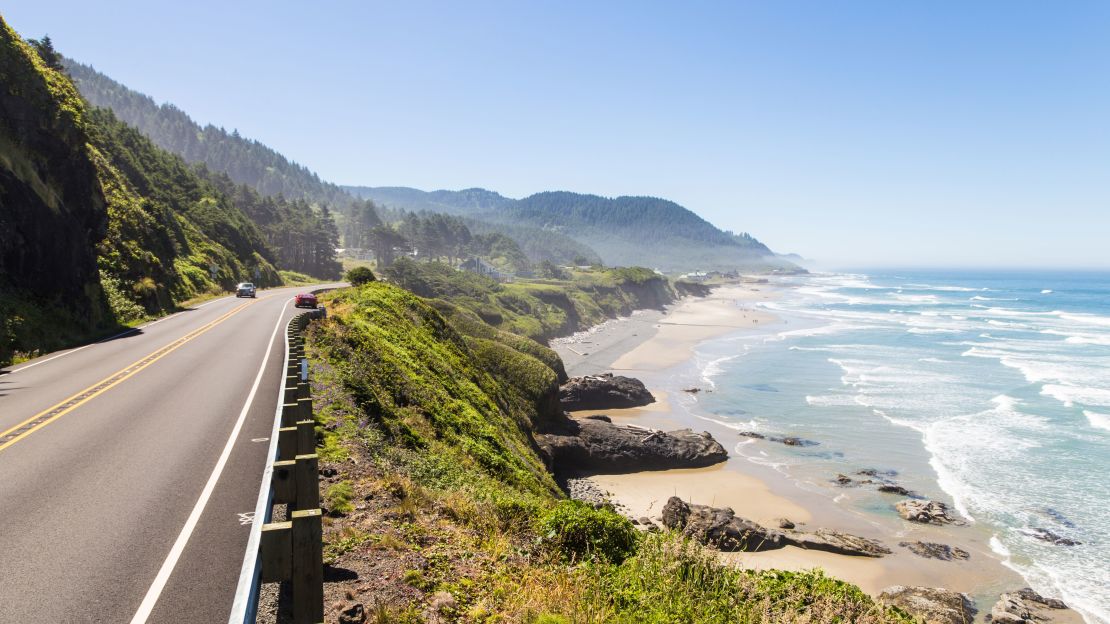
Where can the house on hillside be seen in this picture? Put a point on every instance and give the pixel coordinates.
(481, 267)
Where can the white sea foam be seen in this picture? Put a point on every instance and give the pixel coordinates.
(831, 400)
(714, 368)
(1100, 421)
(1069, 394)
(1046, 291)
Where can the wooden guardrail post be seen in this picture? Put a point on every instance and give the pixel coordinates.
(289, 443)
(308, 567)
(276, 547)
(308, 483)
(284, 481)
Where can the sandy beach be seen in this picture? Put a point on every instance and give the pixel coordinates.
(650, 344)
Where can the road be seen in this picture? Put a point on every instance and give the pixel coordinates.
(108, 451)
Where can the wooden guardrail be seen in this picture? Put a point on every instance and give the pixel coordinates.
(291, 550)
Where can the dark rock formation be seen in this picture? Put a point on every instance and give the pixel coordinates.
(752, 434)
(924, 511)
(352, 614)
(891, 488)
(1024, 606)
(832, 541)
(794, 441)
(721, 528)
(1052, 538)
(588, 445)
(933, 550)
(784, 523)
(933, 605)
(843, 480)
(604, 391)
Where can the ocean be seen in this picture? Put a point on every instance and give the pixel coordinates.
(987, 390)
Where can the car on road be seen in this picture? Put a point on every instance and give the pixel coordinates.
(305, 300)
(246, 289)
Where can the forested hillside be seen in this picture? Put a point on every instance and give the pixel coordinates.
(245, 161)
(625, 231)
(98, 225)
(475, 205)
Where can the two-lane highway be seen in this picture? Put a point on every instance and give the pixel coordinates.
(129, 469)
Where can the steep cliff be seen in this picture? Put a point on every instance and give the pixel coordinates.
(52, 208)
(98, 226)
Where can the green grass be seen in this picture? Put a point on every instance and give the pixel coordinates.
(537, 309)
(292, 278)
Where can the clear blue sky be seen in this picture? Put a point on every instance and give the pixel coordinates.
(858, 133)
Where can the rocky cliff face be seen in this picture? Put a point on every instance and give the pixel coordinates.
(52, 207)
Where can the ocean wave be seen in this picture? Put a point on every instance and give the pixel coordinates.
(1046, 291)
(1097, 420)
(831, 400)
(714, 368)
(1082, 338)
(1069, 394)
(945, 288)
(933, 330)
(1083, 319)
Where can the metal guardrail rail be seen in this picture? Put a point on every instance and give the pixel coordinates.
(291, 550)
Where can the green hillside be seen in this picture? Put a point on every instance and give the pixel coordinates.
(245, 161)
(98, 226)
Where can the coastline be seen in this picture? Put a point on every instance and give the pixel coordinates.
(654, 346)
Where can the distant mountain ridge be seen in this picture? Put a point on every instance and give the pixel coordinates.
(644, 231)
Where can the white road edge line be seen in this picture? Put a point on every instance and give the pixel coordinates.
(168, 565)
(122, 333)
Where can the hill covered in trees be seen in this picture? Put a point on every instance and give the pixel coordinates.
(244, 160)
(101, 227)
(625, 231)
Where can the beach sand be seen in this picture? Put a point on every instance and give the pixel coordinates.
(652, 343)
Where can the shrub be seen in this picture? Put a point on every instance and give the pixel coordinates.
(360, 275)
(578, 531)
(338, 498)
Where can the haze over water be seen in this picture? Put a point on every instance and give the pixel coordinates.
(990, 391)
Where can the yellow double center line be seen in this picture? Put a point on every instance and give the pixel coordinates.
(50, 414)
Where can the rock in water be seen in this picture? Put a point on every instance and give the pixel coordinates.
(603, 392)
(587, 445)
(933, 550)
(1024, 606)
(1052, 538)
(933, 605)
(891, 488)
(924, 511)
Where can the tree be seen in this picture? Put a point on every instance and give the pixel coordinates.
(50, 56)
(382, 240)
(360, 275)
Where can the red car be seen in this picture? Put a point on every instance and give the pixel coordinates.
(305, 300)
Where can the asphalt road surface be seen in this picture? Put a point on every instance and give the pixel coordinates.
(130, 468)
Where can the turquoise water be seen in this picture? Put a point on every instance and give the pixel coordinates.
(988, 390)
